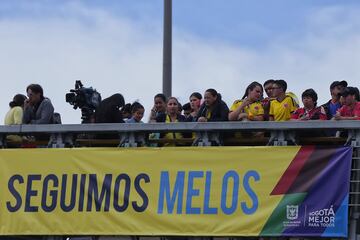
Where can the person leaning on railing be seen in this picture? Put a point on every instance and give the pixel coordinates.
(351, 108)
(159, 106)
(213, 109)
(186, 109)
(15, 114)
(310, 111)
(171, 116)
(137, 113)
(332, 106)
(158, 109)
(283, 105)
(195, 103)
(268, 87)
(249, 108)
(37, 108)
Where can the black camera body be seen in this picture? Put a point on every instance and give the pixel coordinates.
(87, 99)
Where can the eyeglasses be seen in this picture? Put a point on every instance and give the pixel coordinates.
(268, 89)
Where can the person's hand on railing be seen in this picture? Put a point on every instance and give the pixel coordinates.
(202, 119)
(337, 116)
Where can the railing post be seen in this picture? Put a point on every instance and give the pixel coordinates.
(2, 140)
(354, 231)
(128, 140)
(59, 140)
(202, 139)
(281, 137)
(56, 141)
(278, 138)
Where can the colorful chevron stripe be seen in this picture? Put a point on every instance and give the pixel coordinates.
(316, 190)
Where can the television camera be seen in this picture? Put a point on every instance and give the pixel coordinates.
(87, 99)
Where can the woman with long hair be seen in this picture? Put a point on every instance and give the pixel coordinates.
(249, 107)
(195, 103)
(171, 116)
(159, 106)
(213, 108)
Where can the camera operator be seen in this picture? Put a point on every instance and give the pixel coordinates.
(109, 110)
(37, 108)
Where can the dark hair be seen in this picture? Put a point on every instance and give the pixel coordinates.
(269, 81)
(251, 87)
(136, 106)
(186, 107)
(281, 83)
(169, 98)
(160, 95)
(36, 88)
(351, 91)
(17, 101)
(212, 92)
(180, 107)
(310, 93)
(126, 109)
(357, 94)
(197, 95)
(108, 110)
(115, 100)
(342, 83)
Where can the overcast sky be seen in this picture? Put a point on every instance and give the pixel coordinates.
(116, 46)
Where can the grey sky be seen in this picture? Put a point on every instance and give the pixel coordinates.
(115, 51)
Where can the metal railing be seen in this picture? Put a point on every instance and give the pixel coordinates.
(280, 132)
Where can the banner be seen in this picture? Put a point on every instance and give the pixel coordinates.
(183, 191)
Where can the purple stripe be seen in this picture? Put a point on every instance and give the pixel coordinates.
(330, 188)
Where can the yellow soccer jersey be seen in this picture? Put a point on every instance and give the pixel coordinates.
(254, 109)
(281, 111)
(172, 135)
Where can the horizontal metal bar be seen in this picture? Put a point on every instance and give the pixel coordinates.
(184, 126)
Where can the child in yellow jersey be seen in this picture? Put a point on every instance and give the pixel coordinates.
(250, 107)
(282, 106)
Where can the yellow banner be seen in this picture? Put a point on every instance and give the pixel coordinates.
(195, 191)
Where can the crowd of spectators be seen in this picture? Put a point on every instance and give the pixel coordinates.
(277, 105)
